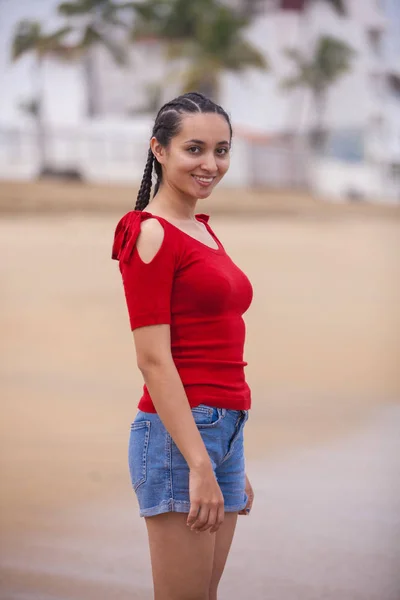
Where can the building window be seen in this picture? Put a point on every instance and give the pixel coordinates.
(375, 38)
(394, 86)
(395, 172)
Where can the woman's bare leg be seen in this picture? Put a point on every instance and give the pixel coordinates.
(182, 560)
(223, 541)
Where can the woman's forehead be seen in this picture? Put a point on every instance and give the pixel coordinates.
(207, 127)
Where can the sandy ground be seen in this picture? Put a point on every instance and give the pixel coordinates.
(322, 440)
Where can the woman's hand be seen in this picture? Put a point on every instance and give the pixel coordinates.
(250, 495)
(206, 500)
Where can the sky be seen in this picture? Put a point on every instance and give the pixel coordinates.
(393, 13)
(65, 96)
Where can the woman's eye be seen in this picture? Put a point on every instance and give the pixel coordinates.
(194, 149)
(222, 151)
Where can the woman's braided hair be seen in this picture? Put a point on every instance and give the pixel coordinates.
(166, 126)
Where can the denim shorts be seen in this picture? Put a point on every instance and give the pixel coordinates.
(160, 474)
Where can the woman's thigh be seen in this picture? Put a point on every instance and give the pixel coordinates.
(223, 541)
(182, 560)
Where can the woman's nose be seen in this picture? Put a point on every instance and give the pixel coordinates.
(209, 163)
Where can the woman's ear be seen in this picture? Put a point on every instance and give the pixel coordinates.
(157, 149)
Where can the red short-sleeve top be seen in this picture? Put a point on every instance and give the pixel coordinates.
(202, 295)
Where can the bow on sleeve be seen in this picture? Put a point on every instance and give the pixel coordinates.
(126, 234)
(203, 217)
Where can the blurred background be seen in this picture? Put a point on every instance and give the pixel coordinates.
(309, 210)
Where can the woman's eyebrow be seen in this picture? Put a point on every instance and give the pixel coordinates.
(201, 142)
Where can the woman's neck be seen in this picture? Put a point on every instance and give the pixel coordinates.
(167, 203)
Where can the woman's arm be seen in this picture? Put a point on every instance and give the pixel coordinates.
(154, 359)
(169, 398)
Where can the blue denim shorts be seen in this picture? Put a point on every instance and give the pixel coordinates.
(160, 474)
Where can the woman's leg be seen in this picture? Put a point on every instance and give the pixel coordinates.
(223, 541)
(182, 560)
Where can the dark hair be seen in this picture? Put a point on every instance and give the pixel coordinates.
(166, 126)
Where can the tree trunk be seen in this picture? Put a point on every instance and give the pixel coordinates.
(92, 84)
(41, 134)
(209, 86)
(208, 89)
(318, 134)
(298, 107)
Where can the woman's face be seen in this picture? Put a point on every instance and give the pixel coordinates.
(198, 157)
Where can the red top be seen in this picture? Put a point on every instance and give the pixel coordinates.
(202, 295)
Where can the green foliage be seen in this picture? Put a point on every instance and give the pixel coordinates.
(206, 33)
(95, 21)
(331, 60)
(29, 38)
(106, 9)
(339, 6)
(171, 19)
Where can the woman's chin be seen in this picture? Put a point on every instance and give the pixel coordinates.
(204, 193)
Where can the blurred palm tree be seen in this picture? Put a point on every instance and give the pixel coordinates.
(206, 36)
(29, 38)
(301, 5)
(330, 61)
(97, 23)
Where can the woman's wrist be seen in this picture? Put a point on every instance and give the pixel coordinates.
(200, 464)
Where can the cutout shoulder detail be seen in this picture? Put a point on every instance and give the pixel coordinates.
(150, 240)
(126, 234)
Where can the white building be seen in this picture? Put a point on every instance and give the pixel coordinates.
(363, 111)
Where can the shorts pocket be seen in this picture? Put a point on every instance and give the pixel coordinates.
(207, 416)
(138, 447)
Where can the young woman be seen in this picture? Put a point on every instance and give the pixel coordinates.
(185, 299)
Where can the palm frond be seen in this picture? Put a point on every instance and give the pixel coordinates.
(25, 38)
(30, 38)
(243, 55)
(171, 19)
(57, 36)
(339, 6)
(73, 9)
(201, 76)
(290, 83)
(294, 55)
(331, 59)
(116, 50)
(90, 37)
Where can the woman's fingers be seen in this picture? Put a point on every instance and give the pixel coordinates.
(206, 499)
(250, 498)
(206, 518)
(212, 521)
(193, 513)
(219, 519)
(202, 519)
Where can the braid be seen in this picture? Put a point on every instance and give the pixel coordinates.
(143, 197)
(166, 126)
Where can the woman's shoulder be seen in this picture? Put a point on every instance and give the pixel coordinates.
(150, 240)
(152, 230)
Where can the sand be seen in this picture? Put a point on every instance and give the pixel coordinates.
(323, 349)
